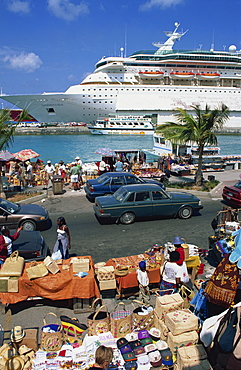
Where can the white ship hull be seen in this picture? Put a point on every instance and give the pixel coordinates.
(115, 87)
(97, 131)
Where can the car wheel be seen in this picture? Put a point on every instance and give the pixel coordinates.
(127, 218)
(28, 225)
(185, 212)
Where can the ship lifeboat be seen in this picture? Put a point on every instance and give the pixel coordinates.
(182, 75)
(151, 74)
(208, 76)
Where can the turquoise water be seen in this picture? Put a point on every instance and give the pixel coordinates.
(67, 147)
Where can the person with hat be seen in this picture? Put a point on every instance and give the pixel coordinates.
(178, 247)
(143, 282)
(6, 242)
(49, 172)
(79, 165)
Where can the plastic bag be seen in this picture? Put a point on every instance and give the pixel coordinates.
(57, 255)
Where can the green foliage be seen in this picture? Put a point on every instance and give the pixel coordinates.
(206, 186)
(7, 127)
(198, 128)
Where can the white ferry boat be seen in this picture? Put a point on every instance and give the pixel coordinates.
(162, 146)
(123, 125)
(147, 82)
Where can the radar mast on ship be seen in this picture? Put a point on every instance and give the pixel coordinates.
(172, 37)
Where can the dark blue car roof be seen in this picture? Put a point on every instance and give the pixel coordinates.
(111, 174)
(140, 187)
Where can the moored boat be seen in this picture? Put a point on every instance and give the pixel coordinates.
(183, 75)
(122, 125)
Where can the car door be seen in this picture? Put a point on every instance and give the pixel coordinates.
(8, 219)
(162, 204)
(116, 182)
(142, 204)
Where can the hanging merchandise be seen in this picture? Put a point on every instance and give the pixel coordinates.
(223, 284)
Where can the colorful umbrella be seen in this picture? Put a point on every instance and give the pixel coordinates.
(5, 156)
(106, 152)
(26, 154)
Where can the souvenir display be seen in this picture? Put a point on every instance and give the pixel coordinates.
(51, 335)
(121, 321)
(168, 303)
(99, 321)
(191, 356)
(182, 340)
(143, 317)
(181, 321)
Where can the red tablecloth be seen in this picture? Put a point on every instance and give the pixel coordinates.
(63, 285)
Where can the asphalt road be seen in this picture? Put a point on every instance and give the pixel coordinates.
(89, 237)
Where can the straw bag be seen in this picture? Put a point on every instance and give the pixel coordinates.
(13, 265)
(36, 270)
(98, 322)
(142, 321)
(187, 294)
(51, 265)
(168, 303)
(120, 322)
(121, 270)
(51, 341)
(71, 337)
(181, 321)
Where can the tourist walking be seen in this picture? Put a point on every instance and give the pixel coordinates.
(63, 238)
(74, 176)
(29, 174)
(49, 172)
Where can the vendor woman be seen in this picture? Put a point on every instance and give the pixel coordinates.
(173, 275)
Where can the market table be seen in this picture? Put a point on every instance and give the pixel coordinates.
(63, 285)
(130, 280)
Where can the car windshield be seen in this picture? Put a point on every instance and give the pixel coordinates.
(9, 206)
(238, 185)
(120, 194)
(102, 179)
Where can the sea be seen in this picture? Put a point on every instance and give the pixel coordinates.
(67, 147)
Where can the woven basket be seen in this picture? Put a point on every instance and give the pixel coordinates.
(51, 341)
(98, 322)
(121, 270)
(140, 322)
(120, 322)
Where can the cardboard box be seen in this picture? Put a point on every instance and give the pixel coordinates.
(31, 338)
(107, 284)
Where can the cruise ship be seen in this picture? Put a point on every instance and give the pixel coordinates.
(145, 83)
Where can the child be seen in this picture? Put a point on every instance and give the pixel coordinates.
(143, 281)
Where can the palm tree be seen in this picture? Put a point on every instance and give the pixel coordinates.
(7, 130)
(199, 128)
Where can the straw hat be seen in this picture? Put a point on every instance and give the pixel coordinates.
(14, 363)
(23, 350)
(17, 334)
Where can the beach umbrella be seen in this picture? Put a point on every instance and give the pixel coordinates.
(106, 152)
(26, 154)
(5, 156)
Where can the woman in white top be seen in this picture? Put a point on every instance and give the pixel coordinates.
(173, 275)
(63, 238)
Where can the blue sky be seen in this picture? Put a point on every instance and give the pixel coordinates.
(48, 45)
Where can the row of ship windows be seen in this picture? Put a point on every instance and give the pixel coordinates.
(99, 96)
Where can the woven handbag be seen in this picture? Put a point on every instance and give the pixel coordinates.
(51, 341)
(99, 322)
(13, 265)
(141, 321)
(36, 270)
(121, 322)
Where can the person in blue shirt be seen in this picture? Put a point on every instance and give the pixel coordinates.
(118, 166)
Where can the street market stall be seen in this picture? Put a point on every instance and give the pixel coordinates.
(63, 285)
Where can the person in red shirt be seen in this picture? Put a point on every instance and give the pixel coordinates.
(178, 247)
(6, 242)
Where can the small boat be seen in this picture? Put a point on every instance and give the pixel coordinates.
(182, 75)
(151, 74)
(207, 76)
(127, 125)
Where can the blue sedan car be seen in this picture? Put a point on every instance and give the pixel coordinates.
(109, 182)
(145, 201)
